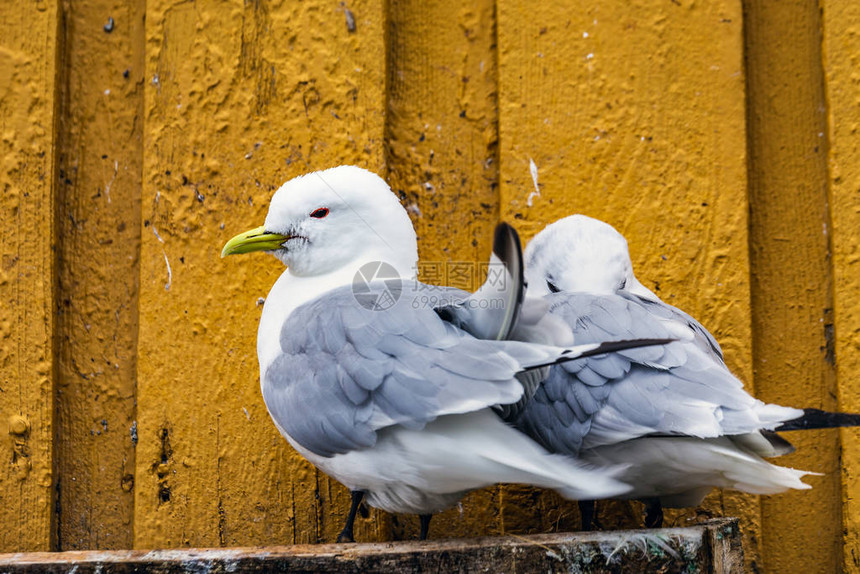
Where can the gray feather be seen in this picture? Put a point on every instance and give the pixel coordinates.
(682, 388)
(403, 366)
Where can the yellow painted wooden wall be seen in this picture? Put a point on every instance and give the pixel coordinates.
(721, 137)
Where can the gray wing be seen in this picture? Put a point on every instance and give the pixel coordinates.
(705, 340)
(346, 372)
(680, 388)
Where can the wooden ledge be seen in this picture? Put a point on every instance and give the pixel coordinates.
(711, 547)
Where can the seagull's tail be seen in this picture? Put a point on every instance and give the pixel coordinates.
(680, 470)
(490, 451)
(818, 419)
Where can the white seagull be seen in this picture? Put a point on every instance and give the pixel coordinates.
(380, 384)
(675, 413)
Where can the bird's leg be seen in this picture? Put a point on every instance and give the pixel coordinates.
(653, 512)
(587, 510)
(346, 534)
(425, 526)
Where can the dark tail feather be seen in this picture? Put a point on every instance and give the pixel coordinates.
(602, 349)
(818, 419)
(780, 446)
(478, 315)
(507, 247)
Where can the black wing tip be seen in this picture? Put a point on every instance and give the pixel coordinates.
(612, 346)
(604, 348)
(508, 248)
(781, 446)
(819, 419)
(503, 228)
(506, 242)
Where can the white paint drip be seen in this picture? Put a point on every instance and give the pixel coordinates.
(166, 261)
(169, 272)
(110, 183)
(536, 193)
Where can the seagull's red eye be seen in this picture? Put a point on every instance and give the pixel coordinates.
(320, 213)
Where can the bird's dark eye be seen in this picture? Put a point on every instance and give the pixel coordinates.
(552, 287)
(320, 213)
(623, 284)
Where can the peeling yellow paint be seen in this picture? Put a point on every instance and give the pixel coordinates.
(28, 77)
(791, 272)
(100, 153)
(239, 98)
(841, 45)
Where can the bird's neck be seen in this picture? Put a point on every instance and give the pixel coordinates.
(291, 291)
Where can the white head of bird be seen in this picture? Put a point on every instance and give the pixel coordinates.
(581, 254)
(324, 226)
(333, 220)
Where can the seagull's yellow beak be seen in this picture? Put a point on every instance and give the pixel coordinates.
(254, 240)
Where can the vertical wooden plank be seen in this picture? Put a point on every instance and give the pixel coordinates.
(441, 142)
(633, 112)
(240, 96)
(841, 62)
(100, 153)
(792, 282)
(29, 44)
(441, 135)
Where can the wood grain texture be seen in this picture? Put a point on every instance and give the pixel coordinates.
(713, 548)
(792, 281)
(441, 132)
(100, 146)
(29, 44)
(240, 97)
(441, 146)
(841, 30)
(633, 112)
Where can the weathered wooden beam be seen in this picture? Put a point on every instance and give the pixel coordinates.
(713, 547)
(791, 270)
(841, 45)
(99, 152)
(30, 41)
